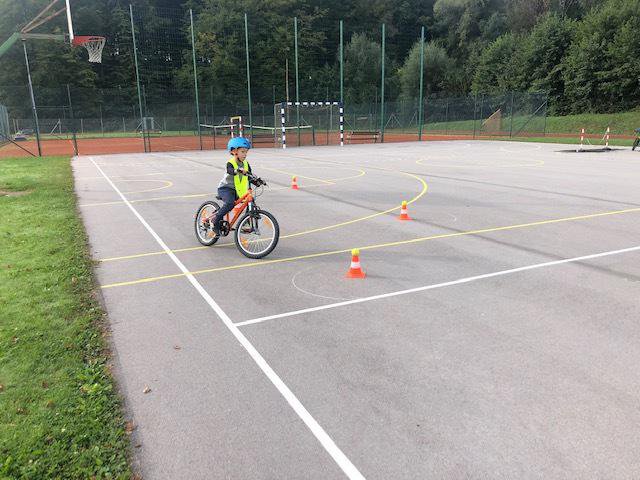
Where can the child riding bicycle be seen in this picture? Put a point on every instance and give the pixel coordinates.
(235, 181)
(637, 140)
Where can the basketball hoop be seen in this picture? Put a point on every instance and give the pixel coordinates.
(93, 44)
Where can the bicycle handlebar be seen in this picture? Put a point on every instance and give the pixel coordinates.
(257, 181)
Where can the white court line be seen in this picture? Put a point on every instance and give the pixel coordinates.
(437, 285)
(329, 445)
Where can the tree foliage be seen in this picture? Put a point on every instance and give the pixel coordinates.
(584, 53)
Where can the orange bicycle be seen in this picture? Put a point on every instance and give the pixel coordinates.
(257, 231)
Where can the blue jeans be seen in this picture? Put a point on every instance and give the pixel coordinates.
(228, 196)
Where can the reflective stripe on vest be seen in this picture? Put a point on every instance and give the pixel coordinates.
(241, 182)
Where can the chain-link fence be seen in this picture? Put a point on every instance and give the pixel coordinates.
(189, 74)
(513, 114)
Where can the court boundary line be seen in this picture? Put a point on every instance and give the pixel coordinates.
(435, 286)
(316, 429)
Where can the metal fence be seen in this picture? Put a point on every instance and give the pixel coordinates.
(188, 77)
(108, 123)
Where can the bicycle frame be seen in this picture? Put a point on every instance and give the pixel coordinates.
(245, 200)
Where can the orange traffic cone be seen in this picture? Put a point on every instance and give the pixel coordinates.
(294, 183)
(404, 215)
(355, 271)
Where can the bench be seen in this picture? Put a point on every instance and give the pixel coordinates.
(150, 133)
(363, 135)
(263, 138)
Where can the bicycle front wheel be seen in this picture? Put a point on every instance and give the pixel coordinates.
(635, 144)
(257, 234)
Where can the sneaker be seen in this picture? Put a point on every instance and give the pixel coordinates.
(216, 231)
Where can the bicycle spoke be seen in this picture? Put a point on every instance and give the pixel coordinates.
(256, 234)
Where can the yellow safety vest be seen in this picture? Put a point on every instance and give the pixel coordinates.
(240, 181)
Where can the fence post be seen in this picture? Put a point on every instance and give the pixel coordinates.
(382, 90)
(135, 57)
(511, 115)
(446, 117)
(295, 30)
(195, 77)
(246, 43)
(421, 103)
(341, 63)
(475, 106)
(481, 113)
(213, 113)
(101, 121)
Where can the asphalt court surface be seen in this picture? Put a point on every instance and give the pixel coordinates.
(495, 335)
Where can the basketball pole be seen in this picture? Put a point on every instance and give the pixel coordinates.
(33, 99)
(69, 22)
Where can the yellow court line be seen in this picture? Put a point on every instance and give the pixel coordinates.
(153, 199)
(167, 184)
(139, 175)
(342, 179)
(537, 164)
(297, 234)
(296, 175)
(380, 245)
(309, 185)
(373, 215)
(174, 197)
(325, 183)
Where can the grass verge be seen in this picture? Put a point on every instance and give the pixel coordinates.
(60, 416)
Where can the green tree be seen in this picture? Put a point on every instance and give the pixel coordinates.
(362, 67)
(601, 70)
(500, 66)
(437, 70)
(464, 22)
(543, 56)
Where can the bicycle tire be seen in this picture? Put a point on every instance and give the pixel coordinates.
(203, 236)
(635, 144)
(242, 225)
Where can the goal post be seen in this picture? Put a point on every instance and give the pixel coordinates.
(323, 121)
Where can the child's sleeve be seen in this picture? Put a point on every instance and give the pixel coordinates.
(230, 169)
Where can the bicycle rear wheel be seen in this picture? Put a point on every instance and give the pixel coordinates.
(204, 223)
(257, 234)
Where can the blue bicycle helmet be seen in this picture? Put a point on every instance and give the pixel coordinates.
(238, 142)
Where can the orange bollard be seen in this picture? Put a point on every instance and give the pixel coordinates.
(355, 271)
(294, 183)
(404, 215)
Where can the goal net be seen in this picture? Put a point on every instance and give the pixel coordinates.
(311, 123)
